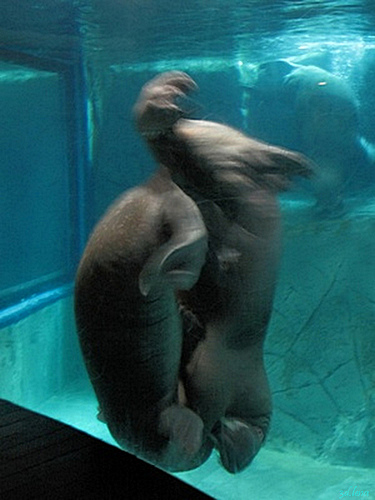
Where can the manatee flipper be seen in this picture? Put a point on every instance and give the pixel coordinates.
(183, 428)
(177, 262)
(237, 442)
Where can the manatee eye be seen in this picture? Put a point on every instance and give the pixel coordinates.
(165, 232)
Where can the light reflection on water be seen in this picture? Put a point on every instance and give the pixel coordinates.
(141, 31)
(146, 31)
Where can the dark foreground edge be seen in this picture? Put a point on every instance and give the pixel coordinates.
(44, 459)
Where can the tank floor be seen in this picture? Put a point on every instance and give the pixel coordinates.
(273, 475)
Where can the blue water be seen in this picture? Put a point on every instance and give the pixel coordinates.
(299, 74)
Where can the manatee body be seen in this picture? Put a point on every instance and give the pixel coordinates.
(316, 112)
(149, 244)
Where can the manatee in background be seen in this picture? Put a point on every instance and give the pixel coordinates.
(313, 111)
(175, 288)
(363, 77)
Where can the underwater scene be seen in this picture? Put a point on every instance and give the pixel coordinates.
(187, 235)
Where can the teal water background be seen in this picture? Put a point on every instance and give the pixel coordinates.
(70, 72)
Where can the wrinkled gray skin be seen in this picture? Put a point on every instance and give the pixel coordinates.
(175, 288)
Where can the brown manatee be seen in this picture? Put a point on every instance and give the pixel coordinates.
(151, 243)
(175, 289)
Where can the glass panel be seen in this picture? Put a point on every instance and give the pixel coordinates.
(35, 236)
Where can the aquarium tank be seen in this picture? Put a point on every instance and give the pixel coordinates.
(296, 74)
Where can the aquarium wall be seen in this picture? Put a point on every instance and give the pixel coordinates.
(321, 340)
(44, 165)
(69, 76)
